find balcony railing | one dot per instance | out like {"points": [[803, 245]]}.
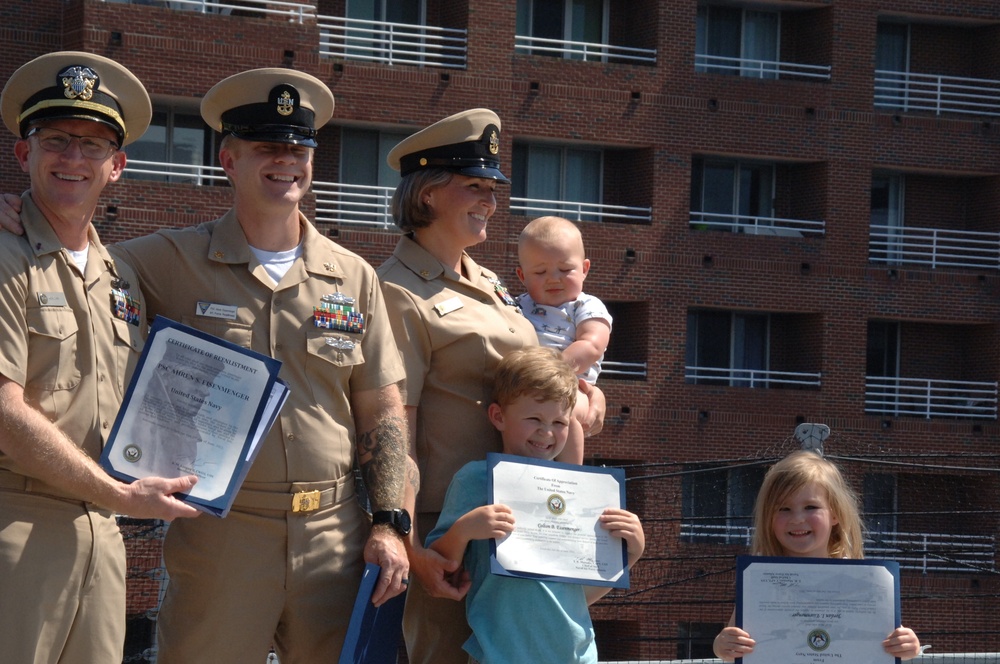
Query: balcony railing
{"points": [[392, 43], [613, 369], [579, 211], [591, 52], [751, 225], [158, 171], [756, 378], [936, 247], [354, 204], [886, 395], [926, 552], [296, 12], [905, 91], [760, 68]]}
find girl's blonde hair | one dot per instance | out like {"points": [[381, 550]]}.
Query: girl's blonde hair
{"points": [[788, 476]]}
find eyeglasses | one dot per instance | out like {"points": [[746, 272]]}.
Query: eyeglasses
{"points": [[56, 140]]}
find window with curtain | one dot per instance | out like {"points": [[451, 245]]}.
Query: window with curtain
{"points": [[737, 41], [557, 180], [727, 348], [564, 20], [178, 142], [717, 503], [892, 55], [363, 164], [733, 195], [887, 196], [378, 42]]}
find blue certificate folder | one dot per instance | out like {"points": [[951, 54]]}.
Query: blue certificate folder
{"points": [[196, 405], [374, 631], [563, 507], [827, 564]]}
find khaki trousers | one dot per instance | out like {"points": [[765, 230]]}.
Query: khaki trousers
{"points": [[62, 575]]}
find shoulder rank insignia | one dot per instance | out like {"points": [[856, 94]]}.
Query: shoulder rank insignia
{"points": [[503, 293], [336, 312]]}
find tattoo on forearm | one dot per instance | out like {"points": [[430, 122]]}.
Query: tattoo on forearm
{"points": [[413, 475], [382, 460]]}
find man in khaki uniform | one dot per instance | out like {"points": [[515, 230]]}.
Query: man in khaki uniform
{"points": [[285, 564], [72, 325]]}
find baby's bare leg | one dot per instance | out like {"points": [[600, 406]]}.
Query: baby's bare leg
{"points": [[573, 452]]}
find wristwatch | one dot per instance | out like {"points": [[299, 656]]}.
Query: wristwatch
{"points": [[398, 519]]}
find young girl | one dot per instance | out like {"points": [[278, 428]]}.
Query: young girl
{"points": [[805, 509]]}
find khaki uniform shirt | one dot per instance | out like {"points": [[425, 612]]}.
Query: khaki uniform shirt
{"points": [[452, 332], [60, 336], [207, 277]]}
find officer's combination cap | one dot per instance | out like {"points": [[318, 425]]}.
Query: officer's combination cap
{"points": [[76, 85]]}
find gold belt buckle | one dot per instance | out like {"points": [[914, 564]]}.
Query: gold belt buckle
{"points": [[305, 501]]}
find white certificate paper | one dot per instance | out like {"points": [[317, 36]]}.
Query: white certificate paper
{"points": [[817, 611], [557, 536], [197, 405]]}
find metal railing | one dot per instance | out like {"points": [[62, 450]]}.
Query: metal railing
{"points": [[760, 68], [613, 369], [589, 51], [392, 43], [296, 12], [905, 91], [354, 204], [925, 552], [937, 247], [580, 211], [752, 225], [159, 171], [755, 378], [887, 395]]}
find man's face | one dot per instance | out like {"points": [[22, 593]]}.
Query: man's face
{"points": [[67, 183], [267, 173]]}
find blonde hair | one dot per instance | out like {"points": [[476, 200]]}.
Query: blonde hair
{"points": [[788, 476], [550, 230], [538, 372]]}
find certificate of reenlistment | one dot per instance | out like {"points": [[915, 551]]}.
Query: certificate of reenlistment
{"points": [[817, 611], [196, 405], [557, 535]]}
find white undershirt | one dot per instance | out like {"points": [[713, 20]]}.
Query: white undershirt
{"points": [[80, 258], [277, 263]]}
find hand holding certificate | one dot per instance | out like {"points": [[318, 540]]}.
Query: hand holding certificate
{"points": [[197, 405], [817, 610], [556, 508]]}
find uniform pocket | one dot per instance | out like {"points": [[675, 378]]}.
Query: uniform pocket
{"points": [[233, 332], [52, 336], [128, 346]]}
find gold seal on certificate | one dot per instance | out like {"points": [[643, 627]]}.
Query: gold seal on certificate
{"points": [[557, 507], [815, 611]]}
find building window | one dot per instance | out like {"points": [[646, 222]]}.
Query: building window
{"points": [[580, 21], [727, 348], [892, 64], [737, 41], [176, 148], [626, 356], [880, 502], [883, 349], [364, 193], [717, 503], [390, 11], [887, 207], [557, 180], [694, 639], [732, 195]]}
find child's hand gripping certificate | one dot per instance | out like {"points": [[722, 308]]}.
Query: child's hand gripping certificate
{"points": [[816, 611], [557, 534]]}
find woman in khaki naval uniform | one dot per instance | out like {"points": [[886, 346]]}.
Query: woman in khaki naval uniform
{"points": [[453, 321]]}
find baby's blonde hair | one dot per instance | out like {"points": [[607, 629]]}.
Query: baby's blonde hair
{"points": [[550, 230], [788, 476]]}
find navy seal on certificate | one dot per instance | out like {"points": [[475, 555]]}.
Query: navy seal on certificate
{"points": [[197, 405], [817, 610]]}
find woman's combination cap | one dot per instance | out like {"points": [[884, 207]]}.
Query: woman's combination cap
{"points": [[271, 105], [76, 85], [467, 143]]}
